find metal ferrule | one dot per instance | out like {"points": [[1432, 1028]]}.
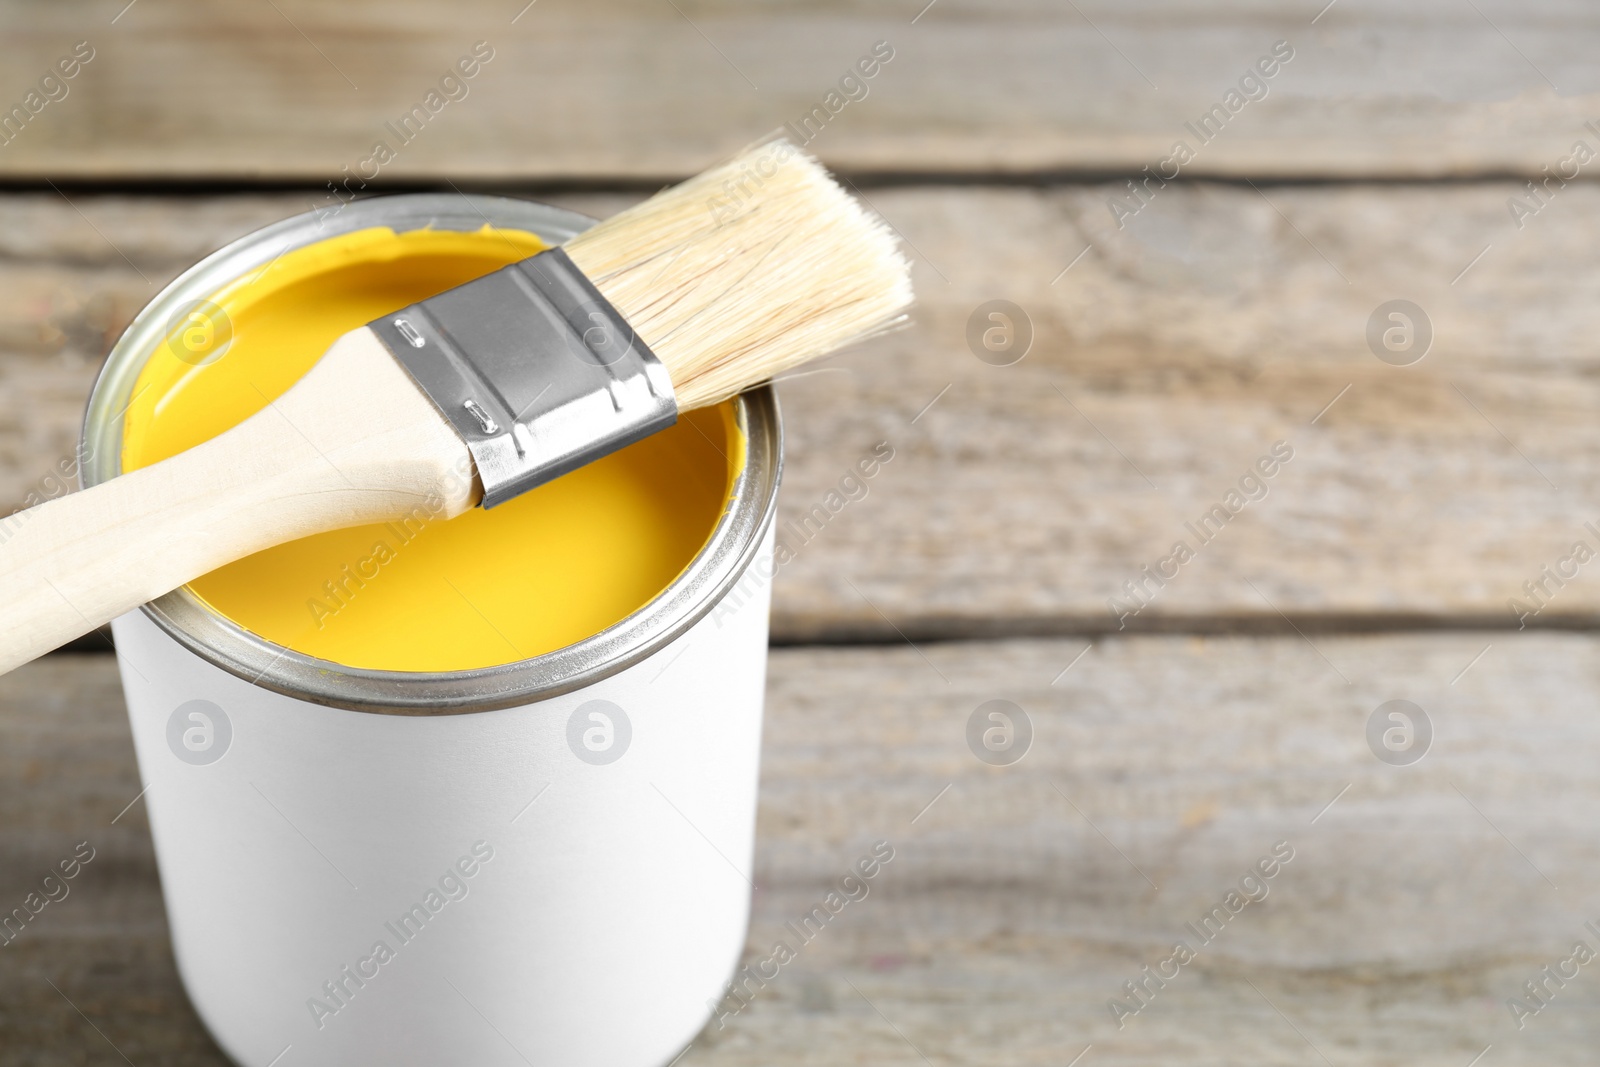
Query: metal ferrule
{"points": [[534, 368]]}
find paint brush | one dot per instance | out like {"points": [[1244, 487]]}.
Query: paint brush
{"points": [[478, 394]]}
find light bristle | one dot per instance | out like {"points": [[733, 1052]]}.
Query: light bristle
{"points": [[747, 270]]}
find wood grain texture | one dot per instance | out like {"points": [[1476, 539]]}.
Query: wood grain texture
{"points": [[1165, 364], [1017, 904], [1178, 349], [641, 89]]}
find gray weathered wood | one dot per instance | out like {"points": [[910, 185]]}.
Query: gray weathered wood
{"points": [[1173, 355], [639, 88], [1017, 903], [1178, 349]]}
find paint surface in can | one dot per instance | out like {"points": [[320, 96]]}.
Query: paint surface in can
{"points": [[547, 570]]}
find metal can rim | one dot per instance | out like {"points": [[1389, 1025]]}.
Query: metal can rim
{"points": [[720, 564]]}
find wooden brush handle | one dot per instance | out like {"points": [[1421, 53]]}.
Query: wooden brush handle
{"points": [[355, 441]]}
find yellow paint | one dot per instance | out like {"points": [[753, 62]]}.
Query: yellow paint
{"points": [[557, 565]]}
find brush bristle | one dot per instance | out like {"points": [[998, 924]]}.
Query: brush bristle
{"points": [[747, 270]]}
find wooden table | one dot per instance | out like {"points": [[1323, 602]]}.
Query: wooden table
{"points": [[1173, 346]]}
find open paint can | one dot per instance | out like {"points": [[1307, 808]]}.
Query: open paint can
{"points": [[527, 849]]}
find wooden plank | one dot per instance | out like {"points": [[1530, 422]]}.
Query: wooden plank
{"points": [[636, 89], [1419, 898], [1179, 349], [1166, 364]]}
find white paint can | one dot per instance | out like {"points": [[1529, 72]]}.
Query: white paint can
{"points": [[546, 863]]}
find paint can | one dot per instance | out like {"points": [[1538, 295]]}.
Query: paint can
{"points": [[542, 863]]}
